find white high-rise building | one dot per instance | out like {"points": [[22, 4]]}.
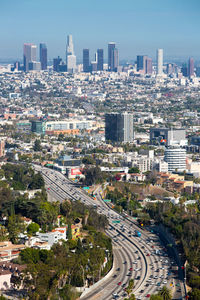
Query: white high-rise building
{"points": [[159, 61], [176, 158], [70, 56]]}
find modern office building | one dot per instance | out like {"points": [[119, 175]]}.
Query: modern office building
{"points": [[159, 61], [119, 127], [144, 64], [86, 60], [141, 60], [43, 56], [176, 158], [166, 136], [34, 66], [56, 63], [113, 57], [38, 126], [30, 54], [148, 66], [70, 56], [190, 67], [99, 59]]}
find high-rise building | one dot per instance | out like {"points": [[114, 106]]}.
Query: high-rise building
{"points": [[99, 59], [119, 127], [113, 57], [56, 63], [141, 62], [190, 67], [29, 55], [159, 61], [86, 60], [184, 70], [148, 65], [70, 56], [34, 66], [176, 158], [43, 56]]}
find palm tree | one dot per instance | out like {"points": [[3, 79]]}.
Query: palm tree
{"points": [[166, 293]]}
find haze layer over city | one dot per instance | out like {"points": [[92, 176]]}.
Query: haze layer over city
{"points": [[99, 150]]}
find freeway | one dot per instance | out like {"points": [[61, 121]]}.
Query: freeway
{"points": [[144, 258]]}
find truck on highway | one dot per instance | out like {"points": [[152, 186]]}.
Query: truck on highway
{"points": [[138, 233]]}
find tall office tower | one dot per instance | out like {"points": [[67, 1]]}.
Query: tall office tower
{"points": [[148, 66], [56, 63], [159, 61], [190, 67], [29, 55], [176, 158], [184, 70], [43, 56], [140, 62], [119, 127], [86, 60], [34, 66], [70, 56], [99, 59], [111, 47], [114, 60]]}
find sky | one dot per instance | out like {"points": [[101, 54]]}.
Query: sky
{"points": [[137, 26]]}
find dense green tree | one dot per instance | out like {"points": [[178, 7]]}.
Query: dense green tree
{"points": [[69, 231], [165, 293], [156, 297], [3, 233], [194, 294], [37, 146], [32, 228]]}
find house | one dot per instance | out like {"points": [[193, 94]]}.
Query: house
{"points": [[9, 270], [9, 251], [54, 236]]}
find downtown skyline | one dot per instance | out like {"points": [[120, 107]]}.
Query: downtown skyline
{"points": [[139, 28]]}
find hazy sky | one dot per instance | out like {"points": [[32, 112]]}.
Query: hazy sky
{"points": [[137, 26]]}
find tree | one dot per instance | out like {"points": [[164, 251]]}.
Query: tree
{"points": [[33, 228], [156, 297], [69, 231], [130, 287], [165, 293], [3, 233], [134, 170], [37, 146], [194, 294]]}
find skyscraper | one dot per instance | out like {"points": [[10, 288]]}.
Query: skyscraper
{"points": [[43, 56], [191, 67], [119, 127], [112, 51], [70, 56], [86, 60], [29, 55], [159, 61], [99, 59], [141, 63], [148, 65], [56, 64]]}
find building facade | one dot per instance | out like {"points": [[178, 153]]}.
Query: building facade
{"points": [[159, 61], [43, 56], [119, 127], [176, 158], [86, 60], [30, 54]]}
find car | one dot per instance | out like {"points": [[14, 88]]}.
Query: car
{"points": [[118, 269], [148, 254], [165, 281], [131, 269], [115, 295], [124, 284], [125, 262], [119, 283], [148, 295], [136, 269], [115, 275]]}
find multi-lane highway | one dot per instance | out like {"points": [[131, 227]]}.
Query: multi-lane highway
{"points": [[143, 258]]}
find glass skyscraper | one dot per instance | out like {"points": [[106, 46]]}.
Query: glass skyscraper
{"points": [[29, 55], [99, 59], [119, 127], [43, 56], [86, 60]]}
